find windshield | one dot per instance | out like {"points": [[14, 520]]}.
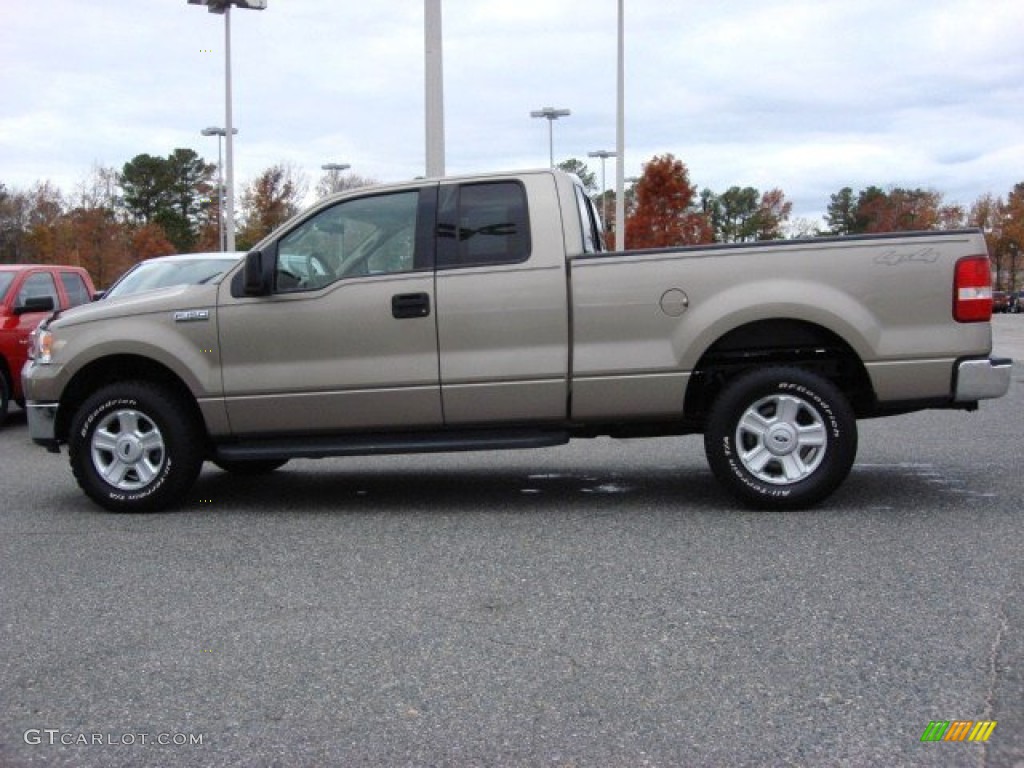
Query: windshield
{"points": [[6, 278], [159, 273]]}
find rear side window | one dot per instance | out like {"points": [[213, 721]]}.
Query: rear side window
{"points": [[483, 224], [74, 287]]}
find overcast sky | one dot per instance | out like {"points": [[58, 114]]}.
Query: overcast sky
{"points": [[806, 95]]}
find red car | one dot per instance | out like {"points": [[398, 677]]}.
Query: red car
{"points": [[28, 292]]}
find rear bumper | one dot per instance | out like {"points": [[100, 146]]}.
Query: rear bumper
{"points": [[42, 424], [982, 379]]}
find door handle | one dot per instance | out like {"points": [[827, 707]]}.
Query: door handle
{"points": [[407, 305]]}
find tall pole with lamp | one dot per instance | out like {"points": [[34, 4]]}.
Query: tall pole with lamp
{"points": [[223, 7], [551, 114], [335, 169], [219, 133]]}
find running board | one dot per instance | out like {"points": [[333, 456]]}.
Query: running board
{"points": [[318, 447]]}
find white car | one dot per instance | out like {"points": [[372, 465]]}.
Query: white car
{"points": [[165, 271]]}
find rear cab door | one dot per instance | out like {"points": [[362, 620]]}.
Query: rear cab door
{"points": [[502, 301]]}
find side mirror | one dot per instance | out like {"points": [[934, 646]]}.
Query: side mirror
{"points": [[257, 274], [35, 304]]}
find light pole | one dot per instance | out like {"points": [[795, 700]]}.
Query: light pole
{"points": [[335, 170], [219, 133], [620, 134], [434, 87], [223, 7], [551, 114], [604, 154]]}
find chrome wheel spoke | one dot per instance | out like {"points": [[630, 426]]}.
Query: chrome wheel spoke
{"points": [[103, 440], [754, 423], [812, 435]]}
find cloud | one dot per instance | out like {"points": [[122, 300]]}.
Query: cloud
{"points": [[805, 95]]}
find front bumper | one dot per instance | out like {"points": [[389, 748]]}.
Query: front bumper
{"points": [[42, 424], [982, 379]]}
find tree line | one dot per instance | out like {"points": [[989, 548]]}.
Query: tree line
{"points": [[157, 205], [664, 208]]}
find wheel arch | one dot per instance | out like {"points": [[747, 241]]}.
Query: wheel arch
{"points": [[105, 370], [778, 341]]}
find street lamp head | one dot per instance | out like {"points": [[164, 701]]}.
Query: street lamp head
{"points": [[213, 130], [604, 154], [220, 6], [335, 166], [550, 113]]}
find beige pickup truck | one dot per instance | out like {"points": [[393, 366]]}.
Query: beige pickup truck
{"points": [[482, 312]]}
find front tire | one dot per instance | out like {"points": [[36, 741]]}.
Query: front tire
{"points": [[781, 438], [135, 447]]}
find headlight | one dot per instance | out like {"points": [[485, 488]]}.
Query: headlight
{"points": [[40, 346]]}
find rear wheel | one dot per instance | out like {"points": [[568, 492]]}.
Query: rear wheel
{"points": [[781, 438], [135, 447]]}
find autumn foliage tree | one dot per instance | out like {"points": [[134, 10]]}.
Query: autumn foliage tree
{"points": [[268, 201], [1003, 225], [897, 209], [665, 214]]}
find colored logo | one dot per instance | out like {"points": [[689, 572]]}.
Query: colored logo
{"points": [[958, 730]]}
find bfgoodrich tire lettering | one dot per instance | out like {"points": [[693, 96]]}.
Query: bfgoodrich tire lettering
{"points": [[135, 447], [781, 438]]}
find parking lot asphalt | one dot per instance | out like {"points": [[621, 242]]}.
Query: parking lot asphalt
{"points": [[599, 604]]}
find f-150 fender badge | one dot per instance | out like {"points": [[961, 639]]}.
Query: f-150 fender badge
{"points": [[191, 315]]}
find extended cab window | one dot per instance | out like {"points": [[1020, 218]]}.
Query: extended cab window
{"points": [[366, 236], [483, 224]]}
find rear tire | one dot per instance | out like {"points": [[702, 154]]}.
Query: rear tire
{"points": [[135, 447], [781, 438]]}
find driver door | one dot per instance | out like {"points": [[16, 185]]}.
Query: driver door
{"points": [[347, 339]]}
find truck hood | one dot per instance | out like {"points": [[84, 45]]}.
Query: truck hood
{"points": [[173, 299]]}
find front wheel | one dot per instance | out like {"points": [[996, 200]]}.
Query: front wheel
{"points": [[781, 438], [135, 447]]}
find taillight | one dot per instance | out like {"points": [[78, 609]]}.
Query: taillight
{"points": [[972, 290]]}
